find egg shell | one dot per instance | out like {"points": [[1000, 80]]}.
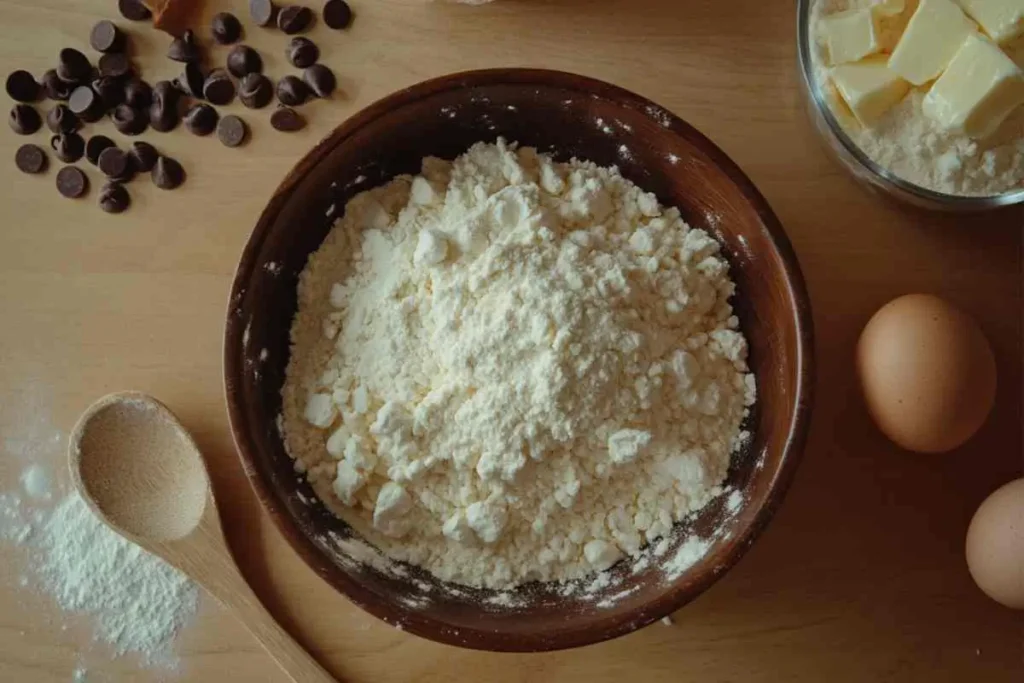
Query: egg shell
{"points": [[995, 545], [927, 373]]}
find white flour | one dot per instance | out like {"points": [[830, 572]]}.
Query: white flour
{"points": [[910, 144], [509, 369]]}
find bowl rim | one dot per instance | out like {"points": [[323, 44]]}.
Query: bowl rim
{"points": [[881, 173], [416, 622]]}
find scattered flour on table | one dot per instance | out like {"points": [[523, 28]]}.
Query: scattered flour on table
{"points": [[509, 369]]}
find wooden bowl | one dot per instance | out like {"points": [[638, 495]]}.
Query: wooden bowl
{"points": [[568, 116]]}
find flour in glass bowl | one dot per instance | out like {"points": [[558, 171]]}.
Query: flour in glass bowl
{"points": [[508, 369]]}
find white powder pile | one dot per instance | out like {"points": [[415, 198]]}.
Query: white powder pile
{"points": [[912, 145], [509, 369]]}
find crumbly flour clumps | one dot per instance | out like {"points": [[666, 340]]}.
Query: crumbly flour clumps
{"points": [[509, 369]]}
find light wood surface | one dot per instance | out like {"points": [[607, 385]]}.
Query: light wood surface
{"points": [[860, 577]]}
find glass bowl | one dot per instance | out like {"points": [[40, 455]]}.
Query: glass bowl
{"points": [[850, 156]]}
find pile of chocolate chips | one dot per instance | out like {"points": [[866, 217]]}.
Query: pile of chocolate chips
{"points": [[85, 93]]}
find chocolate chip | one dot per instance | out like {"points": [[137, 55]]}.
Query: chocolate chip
{"points": [[232, 131], [201, 119], [301, 52], [219, 89], [30, 159], [226, 28], [320, 80], [167, 174], [163, 117], [138, 93], [96, 145], [24, 119], [85, 104], [294, 19], [263, 12], [73, 66], [166, 92], [143, 156], [185, 48], [110, 91], [291, 91], [115, 65], [71, 182], [54, 87], [192, 80], [114, 198], [243, 60], [255, 91], [106, 37], [128, 120], [134, 10], [337, 14], [22, 86], [114, 163], [61, 120], [287, 120], [68, 147]]}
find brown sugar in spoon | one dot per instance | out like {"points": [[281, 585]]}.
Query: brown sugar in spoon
{"points": [[140, 471]]}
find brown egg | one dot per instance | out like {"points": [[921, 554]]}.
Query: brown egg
{"points": [[995, 545], [927, 372]]}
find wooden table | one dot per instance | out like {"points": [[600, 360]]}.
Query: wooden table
{"points": [[861, 576]]}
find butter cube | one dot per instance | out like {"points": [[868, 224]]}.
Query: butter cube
{"points": [[1003, 20], [869, 87], [978, 91], [934, 34], [850, 36]]}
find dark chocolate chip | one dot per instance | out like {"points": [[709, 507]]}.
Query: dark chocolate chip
{"points": [[54, 87], [256, 91], [73, 66], [95, 147], [201, 119], [68, 147], [106, 37], [337, 14], [115, 65], [287, 120], [30, 159], [320, 80], [22, 86], [134, 10], [71, 182], [60, 119], [129, 120], [167, 174], [138, 93], [219, 89], [144, 156], [263, 12], [243, 60], [226, 28], [185, 48], [116, 164], [114, 198], [163, 117], [24, 119], [166, 92], [192, 80], [232, 131], [294, 19], [292, 91], [86, 104], [301, 52], [110, 91]]}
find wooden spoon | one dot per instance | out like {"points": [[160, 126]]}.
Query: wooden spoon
{"points": [[139, 470]]}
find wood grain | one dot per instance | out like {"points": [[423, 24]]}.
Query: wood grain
{"points": [[861, 575]]}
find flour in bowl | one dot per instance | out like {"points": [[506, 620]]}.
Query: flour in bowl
{"points": [[509, 369]]}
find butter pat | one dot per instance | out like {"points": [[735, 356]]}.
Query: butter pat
{"points": [[850, 36], [978, 91], [934, 34], [1003, 20], [870, 88]]}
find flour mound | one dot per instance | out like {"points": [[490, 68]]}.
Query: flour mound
{"points": [[509, 369]]}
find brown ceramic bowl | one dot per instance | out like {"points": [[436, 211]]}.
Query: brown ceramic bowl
{"points": [[567, 116]]}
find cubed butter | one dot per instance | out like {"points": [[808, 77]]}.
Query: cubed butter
{"points": [[934, 34], [851, 36], [870, 88], [1003, 20], [978, 91]]}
